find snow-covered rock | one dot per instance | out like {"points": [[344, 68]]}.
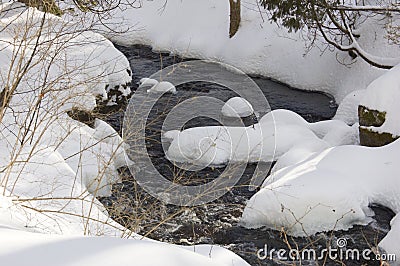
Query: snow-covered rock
{"points": [[330, 191], [147, 82], [170, 135], [156, 86], [333, 188], [283, 116], [237, 107], [277, 132], [381, 102]]}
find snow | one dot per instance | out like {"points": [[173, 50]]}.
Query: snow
{"points": [[237, 107], [45, 153], [53, 166], [323, 186], [390, 242], [348, 108], [277, 132], [22, 248], [21, 244], [299, 153], [66, 206], [156, 86], [314, 188], [383, 94], [331, 190], [259, 47], [88, 56], [148, 82], [53, 171]]}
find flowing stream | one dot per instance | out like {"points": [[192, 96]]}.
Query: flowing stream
{"points": [[218, 221]]}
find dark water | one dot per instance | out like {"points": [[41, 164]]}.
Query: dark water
{"points": [[312, 106], [217, 222]]}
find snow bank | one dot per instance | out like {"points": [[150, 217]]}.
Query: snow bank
{"points": [[333, 188], [330, 191], [199, 29], [48, 159], [53, 166], [85, 56], [383, 94], [277, 133], [21, 248], [237, 107], [390, 242], [348, 108], [73, 78]]}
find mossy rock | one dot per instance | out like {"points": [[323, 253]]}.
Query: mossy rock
{"points": [[370, 118], [373, 118], [375, 139]]}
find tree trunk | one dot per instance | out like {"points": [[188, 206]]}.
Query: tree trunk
{"points": [[234, 17]]}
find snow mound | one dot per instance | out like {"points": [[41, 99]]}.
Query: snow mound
{"points": [[156, 86], [283, 116], [237, 107], [170, 135], [348, 108], [86, 56], [147, 82], [277, 132], [331, 190], [299, 153]]}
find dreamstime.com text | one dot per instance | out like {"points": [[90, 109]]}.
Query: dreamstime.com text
{"points": [[340, 252]]}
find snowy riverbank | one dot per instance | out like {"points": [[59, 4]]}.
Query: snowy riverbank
{"points": [[199, 29], [263, 48], [52, 166]]}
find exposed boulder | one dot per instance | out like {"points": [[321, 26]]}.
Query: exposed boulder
{"points": [[370, 118], [379, 110]]}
